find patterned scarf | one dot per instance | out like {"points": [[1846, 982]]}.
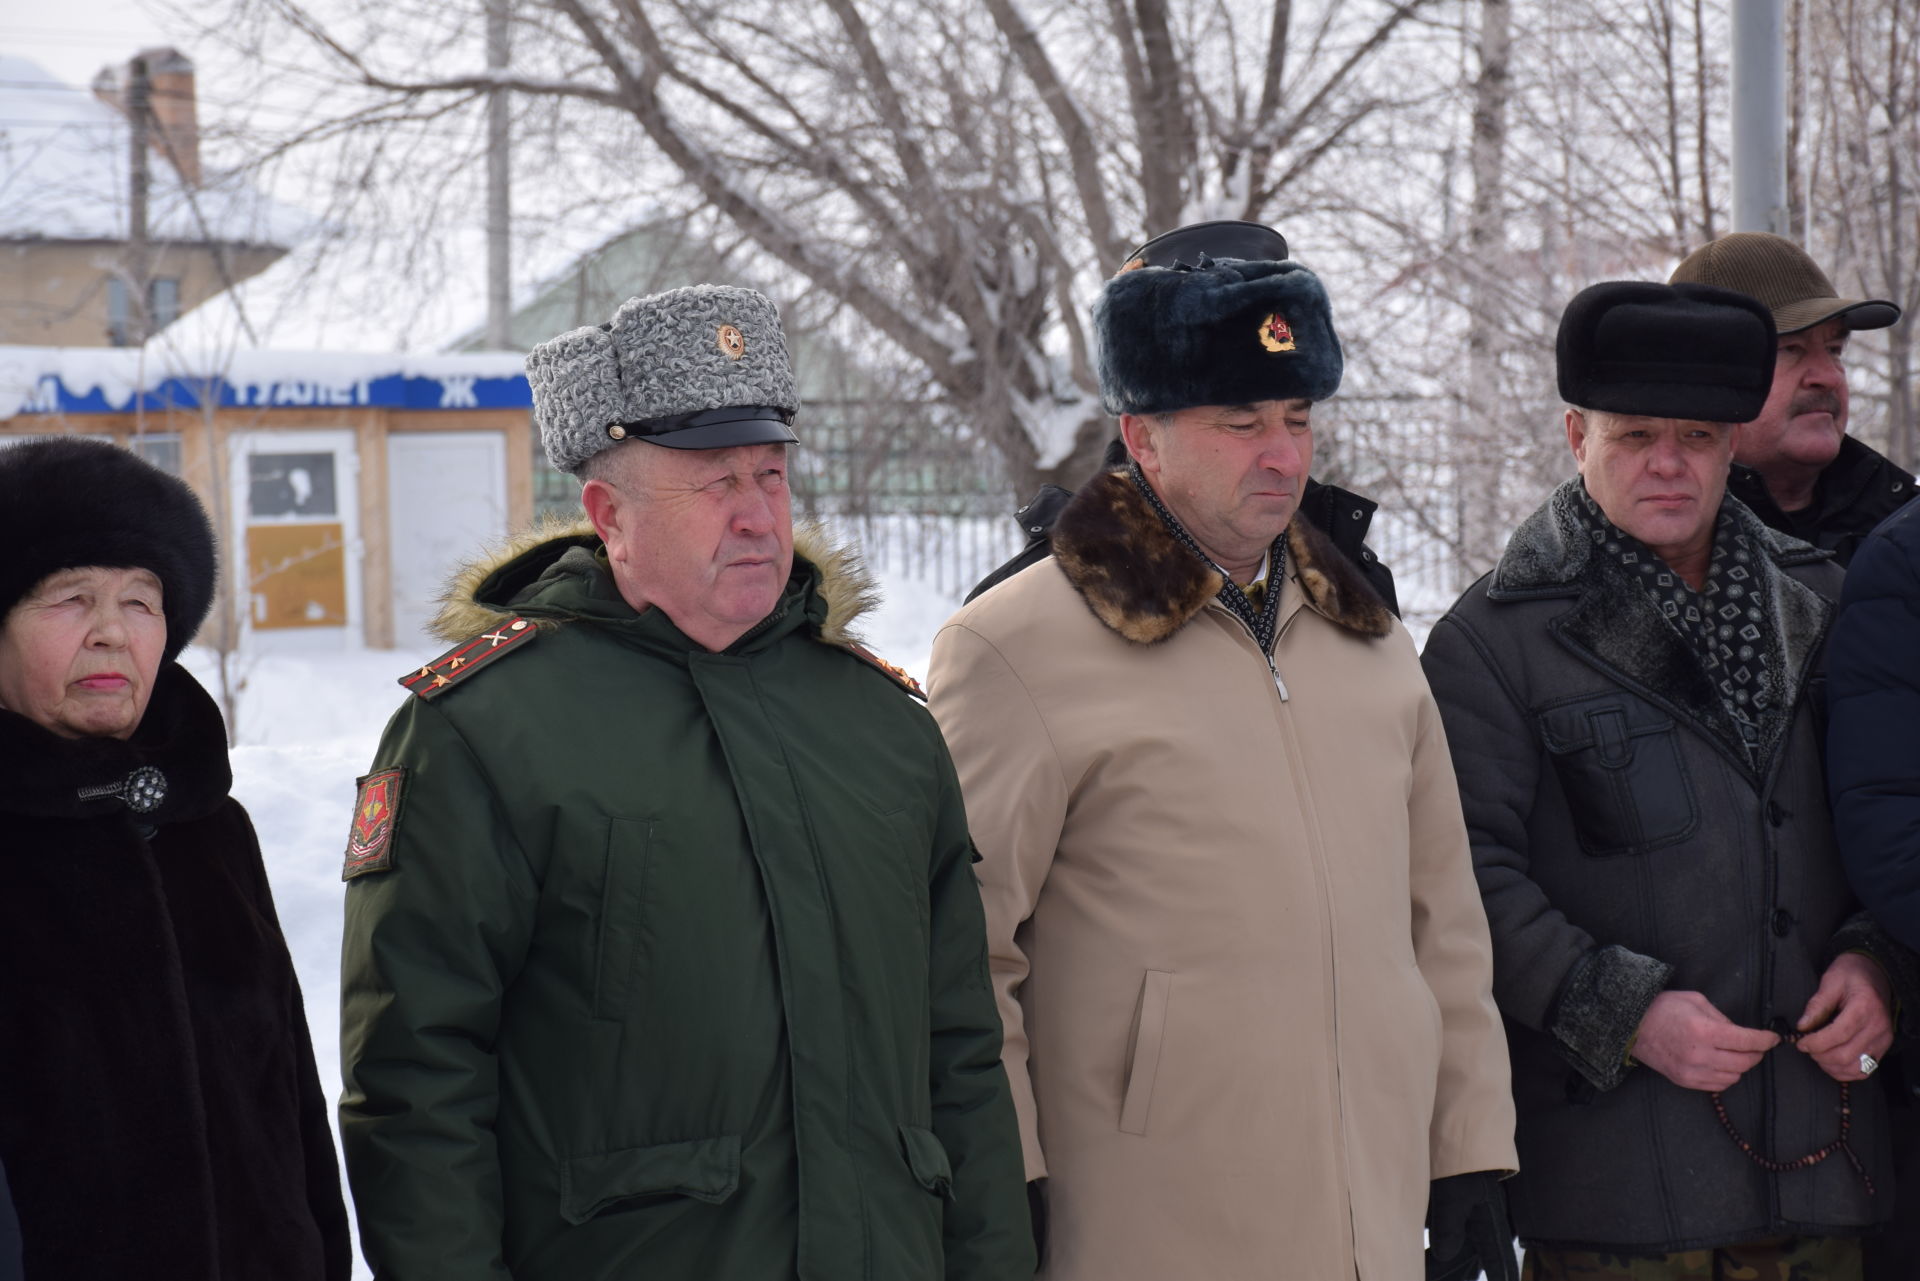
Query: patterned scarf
{"points": [[1262, 620], [1726, 622]]}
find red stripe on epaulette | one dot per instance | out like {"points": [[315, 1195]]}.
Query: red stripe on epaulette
{"points": [[901, 676], [468, 657]]}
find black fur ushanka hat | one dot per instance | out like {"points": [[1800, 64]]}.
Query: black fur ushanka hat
{"points": [[69, 503], [1227, 332], [1687, 351]]}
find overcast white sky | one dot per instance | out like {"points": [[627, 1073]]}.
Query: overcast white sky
{"points": [[76, 38]]}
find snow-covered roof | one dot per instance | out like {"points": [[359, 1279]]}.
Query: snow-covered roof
{"points": [[103, 380], [64, 175], [326, 295]]}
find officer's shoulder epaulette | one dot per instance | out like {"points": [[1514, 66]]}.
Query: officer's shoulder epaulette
{"points": [[898, 675], [468, 657]]}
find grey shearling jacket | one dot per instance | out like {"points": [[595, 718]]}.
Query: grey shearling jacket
{"points": [[1623, 847]]}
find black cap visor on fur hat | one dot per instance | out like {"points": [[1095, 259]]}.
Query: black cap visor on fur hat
{"points": [[69, 503], [1222, 238], [722, 428], [1231, 332], [1666, 351]]}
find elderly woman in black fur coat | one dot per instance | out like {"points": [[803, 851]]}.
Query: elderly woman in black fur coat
{"points": [[160, 1116]]}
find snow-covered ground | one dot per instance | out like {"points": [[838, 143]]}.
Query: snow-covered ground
{"points": [[308, 727]]}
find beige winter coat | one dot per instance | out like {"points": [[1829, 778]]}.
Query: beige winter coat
{"points": [[1240, 959]]}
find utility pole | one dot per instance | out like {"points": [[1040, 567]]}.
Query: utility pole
{"points": [[1759, 116], [499, 204], [1479, 444], [139, 267]]}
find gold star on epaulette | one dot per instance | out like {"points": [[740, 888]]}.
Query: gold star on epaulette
{"points": [[900, 675], [466, 658]]}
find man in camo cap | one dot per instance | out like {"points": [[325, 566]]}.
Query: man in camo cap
{"points": [[664, 954], [1795, 466]]}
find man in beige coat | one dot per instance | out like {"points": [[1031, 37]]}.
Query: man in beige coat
{"points": [[1240, 958]]}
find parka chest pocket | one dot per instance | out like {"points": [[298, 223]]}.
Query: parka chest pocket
{"points": [[1620, 766]]}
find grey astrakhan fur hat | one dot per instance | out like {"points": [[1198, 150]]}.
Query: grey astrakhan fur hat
{"points": [[69, 503], [703, 367], [1226, 332]]}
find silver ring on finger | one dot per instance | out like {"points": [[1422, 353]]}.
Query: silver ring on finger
{"points": [[1867, 1064]]}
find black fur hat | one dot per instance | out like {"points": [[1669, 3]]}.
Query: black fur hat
{"points": [[66, 503], [1666, 351], [1230, 332]]}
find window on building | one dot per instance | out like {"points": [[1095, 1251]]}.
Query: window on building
{"points": [[163, 308], [294, 486], [554, 492], [119, 312], [161, 449], [163, 302]]}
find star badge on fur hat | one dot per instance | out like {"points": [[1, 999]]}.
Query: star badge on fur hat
{"points": [[703, 367], [1276, 334]]}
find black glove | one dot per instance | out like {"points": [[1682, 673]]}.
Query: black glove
{"points": [[1037, 1207], [1467, 1229]]}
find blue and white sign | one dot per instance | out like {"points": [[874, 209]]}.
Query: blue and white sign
{"points": [[73, 382]]}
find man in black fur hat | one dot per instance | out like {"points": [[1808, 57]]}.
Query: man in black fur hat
{"points": [[1692, 994], [1241, 964], [1343, 516]]}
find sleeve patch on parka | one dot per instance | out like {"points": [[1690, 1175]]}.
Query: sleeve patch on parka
{"points": [[900, 675], [468, 657], [376, 816]]}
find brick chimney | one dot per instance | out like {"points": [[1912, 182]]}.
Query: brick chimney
{"points": [[176, 133]]}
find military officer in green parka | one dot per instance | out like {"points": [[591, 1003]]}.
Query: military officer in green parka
{"points": [[664, 954]]}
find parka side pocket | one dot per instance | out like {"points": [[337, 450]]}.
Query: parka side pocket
{"points": [[622, 916], [594, 1183], [1143, 1063], [927, 1159], [1619, 763]]}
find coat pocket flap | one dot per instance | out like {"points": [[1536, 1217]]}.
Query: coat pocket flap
{"points": [[1604, 724], [704, 1169], [927, 1158]]}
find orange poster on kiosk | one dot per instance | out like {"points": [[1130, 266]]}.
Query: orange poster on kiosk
{"points": [[297, 575]]}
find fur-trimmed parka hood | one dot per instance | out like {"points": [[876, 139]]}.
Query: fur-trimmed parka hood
{"points": [[496, 585], [1144, 585]]}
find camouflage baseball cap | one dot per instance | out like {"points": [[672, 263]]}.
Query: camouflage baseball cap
{"points": [[1781, 275]]}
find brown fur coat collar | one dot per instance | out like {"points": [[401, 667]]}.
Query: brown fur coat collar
{"points": [[1141, 582]]}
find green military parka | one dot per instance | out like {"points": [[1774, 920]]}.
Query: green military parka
{"points": [[672, 964]]}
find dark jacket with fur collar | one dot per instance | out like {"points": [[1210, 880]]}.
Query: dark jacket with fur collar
{"points": [[1623, 847], [160, 1116]]}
